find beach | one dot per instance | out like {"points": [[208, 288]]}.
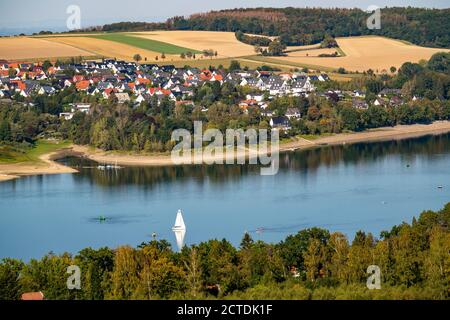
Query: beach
{"points": [[47, 165]]}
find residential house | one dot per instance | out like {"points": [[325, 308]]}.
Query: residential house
{"points": [[293, 113], [359, 104], [122, 97], [281, 123]]}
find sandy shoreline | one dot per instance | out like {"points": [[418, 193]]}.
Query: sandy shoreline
{"points": [[48, 166]]}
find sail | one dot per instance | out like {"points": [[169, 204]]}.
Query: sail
{"points": [[180, 230], [179, 222], [179, 236]]}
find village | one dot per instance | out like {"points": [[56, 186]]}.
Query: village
{"points": [[131, 83]]}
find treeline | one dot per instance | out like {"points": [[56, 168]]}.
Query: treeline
{"points": [[430, 81], [253, 40], [303, 26], [312, 264]]}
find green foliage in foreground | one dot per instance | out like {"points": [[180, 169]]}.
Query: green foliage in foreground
{"points": [[414, 261]]}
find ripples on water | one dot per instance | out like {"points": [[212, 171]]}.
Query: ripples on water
{"points": [[368, 186]]}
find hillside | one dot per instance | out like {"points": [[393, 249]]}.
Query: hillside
{"points": [[303, 26]]}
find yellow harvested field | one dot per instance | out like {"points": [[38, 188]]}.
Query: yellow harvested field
{"points": [[363, 53], [109, 49], [27, 48], [312, 52], [307, 47], [225, 43]]}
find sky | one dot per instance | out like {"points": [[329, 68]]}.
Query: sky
{"points": [[31, 15]]}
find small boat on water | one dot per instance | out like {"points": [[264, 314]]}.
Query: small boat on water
{"points": [[179, 229], [101, 218], [259, 230], [179, 222], [108, 166]]}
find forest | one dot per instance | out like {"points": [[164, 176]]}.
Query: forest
{"points": [[303, 26], [311, 264]]}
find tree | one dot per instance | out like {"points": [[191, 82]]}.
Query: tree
{"points": [[350, 118], [182, 55], [257, 49], [12, 72], [49, 276], [125, 275], [329, 42], [96, 266], [137, 57], [194, 272], [292, 249], [10, 288], [339, 248], [437, 263], [314, 260], [47, 64], [234, 65], [246, 241], [393, 69], [163, 56], [276, 48], [208, 53], [5, 130]]}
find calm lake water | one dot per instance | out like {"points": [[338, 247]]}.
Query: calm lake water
{"points": [[367, 186]]}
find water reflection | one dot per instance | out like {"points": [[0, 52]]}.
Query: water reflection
{"points": [[366, 186], [301, 162]]}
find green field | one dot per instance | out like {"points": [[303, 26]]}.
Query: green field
{"points": [[147, 44], [9, 154]]}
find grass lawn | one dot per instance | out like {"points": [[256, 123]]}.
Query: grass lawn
{"points": [[10, 154], [313, 136], [147, 44]]}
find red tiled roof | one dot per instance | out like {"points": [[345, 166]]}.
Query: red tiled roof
{"points": [[51, 70], [142, 81], [83, 85], [20, 84], [32, 296], [78, 77]]}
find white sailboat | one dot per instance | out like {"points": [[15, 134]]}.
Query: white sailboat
{"points": [[179, 229]]}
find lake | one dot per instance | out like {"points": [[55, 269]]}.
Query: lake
{"points": [[365, 186]]}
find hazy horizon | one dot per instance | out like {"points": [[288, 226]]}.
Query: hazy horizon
{"points": [[51, 14]]}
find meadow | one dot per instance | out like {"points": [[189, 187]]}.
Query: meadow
{"points": [[225, 43], [10, 154], [144, 43]]}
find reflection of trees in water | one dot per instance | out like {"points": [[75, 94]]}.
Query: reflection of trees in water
{"points": [[361, 153], [306, 161]]}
